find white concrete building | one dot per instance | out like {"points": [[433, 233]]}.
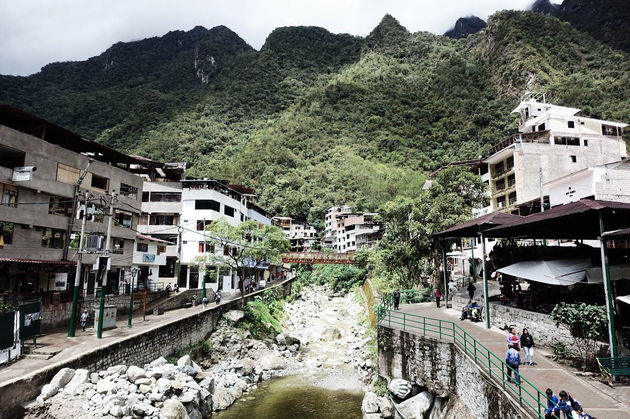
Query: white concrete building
{"points": [[301, 235], [149, 254], [608, 182], [553, 141], [353, 230], [205, 201], [330, 226]]}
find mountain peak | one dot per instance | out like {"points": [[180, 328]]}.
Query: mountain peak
{"points": [[388, 29], [466, 26], [546, 7]]}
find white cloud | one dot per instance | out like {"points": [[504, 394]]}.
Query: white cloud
{"points": [[34, 33]]}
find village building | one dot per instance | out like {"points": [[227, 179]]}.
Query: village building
{"points": [[301, 235]]}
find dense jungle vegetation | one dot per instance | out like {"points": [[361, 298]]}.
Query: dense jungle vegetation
{"points": [[315, 119]]}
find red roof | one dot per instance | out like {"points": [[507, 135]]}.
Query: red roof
{"points": [[38, 261], [153, 239]]}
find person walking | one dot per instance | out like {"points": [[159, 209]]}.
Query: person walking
{"points": [[217, 298], [84, 319], [513, 359], [438, 297], [527, 342], [471, 290], [396, 299], [552, 402]]}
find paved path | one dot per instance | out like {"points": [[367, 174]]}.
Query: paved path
{"points": [[546, 374], [87, 341]]}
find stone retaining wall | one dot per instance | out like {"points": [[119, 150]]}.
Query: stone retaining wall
{"points": [[138, 349], [444, 370], [539, 325]]}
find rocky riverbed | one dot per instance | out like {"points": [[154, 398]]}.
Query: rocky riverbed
{"points": [[323, 340]]}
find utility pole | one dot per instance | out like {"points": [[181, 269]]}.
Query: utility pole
{"points": [[203, 279], [75, 198], [179, 255], [77, 275], [101, 306], [134, 272]]}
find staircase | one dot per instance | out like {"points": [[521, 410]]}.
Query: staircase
{"points": [[39, 351]]}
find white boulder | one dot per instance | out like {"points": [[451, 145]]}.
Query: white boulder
{"points": [[173, 409]]}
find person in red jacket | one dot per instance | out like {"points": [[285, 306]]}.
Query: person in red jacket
{"points": [[438, 297]]}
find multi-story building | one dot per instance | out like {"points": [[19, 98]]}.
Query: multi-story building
{"points": [[330, 227], [149, 255], [301, 235], [37, 204], [354, 229], [553, 141]]}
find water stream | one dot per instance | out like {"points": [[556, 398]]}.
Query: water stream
{"points": [[329, 386]]}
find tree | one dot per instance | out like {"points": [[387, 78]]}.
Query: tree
{"points": [[245, 247]]}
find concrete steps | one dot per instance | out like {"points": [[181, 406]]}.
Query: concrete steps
{"points": [[40, 352]]}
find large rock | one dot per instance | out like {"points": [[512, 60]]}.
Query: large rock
{"points": [[386, 407], [271, 361], [163, 385], [134, 373], [234, 316], [370, 403], [115, 370], [331, 333], [105, 386], [222, 398], [184, 360], [81, 376], [62, 378], [399, 388], [173, 409], [47, 392], [158, 362], [188, 370], [416, 406]]}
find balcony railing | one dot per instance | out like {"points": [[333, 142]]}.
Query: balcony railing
{"points": [[541, 137]]}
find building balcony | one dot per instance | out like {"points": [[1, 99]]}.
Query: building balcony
{"points": [[541, 137]]}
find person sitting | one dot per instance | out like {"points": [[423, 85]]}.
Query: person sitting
{"points": [[566, 405], [552, 402], [582, 414]]}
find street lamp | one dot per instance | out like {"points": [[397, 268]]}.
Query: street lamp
{"points": [[134, 272]]}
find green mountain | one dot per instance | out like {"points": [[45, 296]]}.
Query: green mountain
{"points": [[314, 118]]}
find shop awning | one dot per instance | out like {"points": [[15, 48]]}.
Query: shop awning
{"points": [[594, 275], [552, 272], [38, 261], [624, 299], [472, 227]]}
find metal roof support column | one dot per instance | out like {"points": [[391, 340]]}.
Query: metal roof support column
{"points": [[473, 242], [610, 311], [485, 280], [444, 267]]}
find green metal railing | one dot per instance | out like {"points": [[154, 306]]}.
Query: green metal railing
{"points": [[525, 393]]}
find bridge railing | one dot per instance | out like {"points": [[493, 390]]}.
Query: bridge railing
{"points": [[318, 257], [525, 393]]}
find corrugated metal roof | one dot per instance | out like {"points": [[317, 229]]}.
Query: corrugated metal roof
{"points": [[473, 227], [38, 261]]}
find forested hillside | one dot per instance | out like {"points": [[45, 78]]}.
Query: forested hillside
{"points": [[315, 119]]}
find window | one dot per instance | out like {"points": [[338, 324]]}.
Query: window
{"points": [[573, 141], [610, 130], [541, 127], [8, 195], [501, 201], [573, 159], [53, 238], [161, 249], [142, 247], [205, 247], [99, 182], [511, 180], [207, 204], [570, 124], [123, 218], [510, 162], [67, 174], [512, 198], [118, 244], [229, 211], [6, 232], [168, 270], [585, 143], [143, 220], [10, 157], [128, 191], [200, 225], [60, 206], [500, 184], [163, 220], [161, 196]]}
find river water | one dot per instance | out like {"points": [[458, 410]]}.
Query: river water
{"points": [[329, 386]]}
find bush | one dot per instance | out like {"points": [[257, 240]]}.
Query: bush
{"points": [[263, 315], [341, 277]]}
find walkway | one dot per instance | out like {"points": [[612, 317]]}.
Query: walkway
{"points": [[86, 341], [543, 375]]}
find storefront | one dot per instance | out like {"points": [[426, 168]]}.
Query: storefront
{"points": [[33, 278]]}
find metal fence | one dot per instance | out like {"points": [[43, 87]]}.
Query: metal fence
{"points": [[525, 393]]}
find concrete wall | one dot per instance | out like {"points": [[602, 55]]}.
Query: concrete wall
{"points": [[138, 349], [444, 370], [540, 325]]}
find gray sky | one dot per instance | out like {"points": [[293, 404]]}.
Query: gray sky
{"points": [[34, 33]]}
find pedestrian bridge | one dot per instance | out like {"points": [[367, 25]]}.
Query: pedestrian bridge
{"points": [[319, 257]]}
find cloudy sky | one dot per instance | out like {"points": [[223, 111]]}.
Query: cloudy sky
{"points": [[34, 33]]}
